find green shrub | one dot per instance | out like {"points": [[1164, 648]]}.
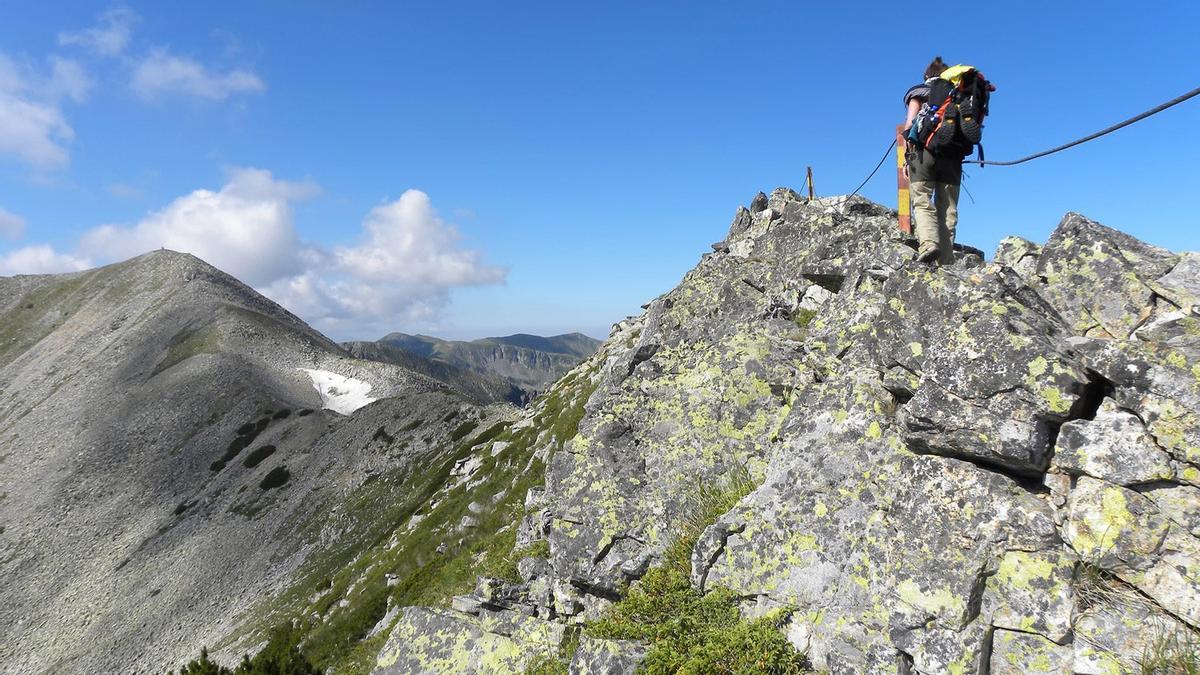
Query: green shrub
{"points": [[255, 458], [462, 430], [546, 664], [245, 436], [276, 477], [803, 317], [281, 656], [694, 632]]}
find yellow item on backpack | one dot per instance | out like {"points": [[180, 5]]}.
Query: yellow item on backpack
{"points": [[954, 73]]}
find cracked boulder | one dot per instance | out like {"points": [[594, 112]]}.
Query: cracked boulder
{"points": [[1019, 254], [1114, 446], [433, 641], [607, 657], [1101, 280], [991, 378]]}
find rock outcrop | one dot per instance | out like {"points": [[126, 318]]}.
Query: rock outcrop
{"points": [[982, 467]]}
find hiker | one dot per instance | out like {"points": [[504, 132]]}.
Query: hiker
{"points": [[944, 123]]}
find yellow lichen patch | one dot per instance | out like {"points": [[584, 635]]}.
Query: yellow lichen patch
{"points": [[1096, 530], [940, 601], [916, 348], [1055, 400], [1019, 568], [874, 431]]}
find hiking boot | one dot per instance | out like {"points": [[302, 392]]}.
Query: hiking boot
{"points": [[928, 252], [971, 129], [943, 135]]}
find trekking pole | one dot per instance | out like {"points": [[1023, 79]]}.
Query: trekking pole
{"points": [[902, 183], [810, 185]]}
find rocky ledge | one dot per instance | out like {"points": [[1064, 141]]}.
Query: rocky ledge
{"points": [[982, 467]]}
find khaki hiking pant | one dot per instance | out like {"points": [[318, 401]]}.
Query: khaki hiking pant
{"points": [[934, 183]]}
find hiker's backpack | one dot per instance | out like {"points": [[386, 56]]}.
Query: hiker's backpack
{"points": [[950, 123]]}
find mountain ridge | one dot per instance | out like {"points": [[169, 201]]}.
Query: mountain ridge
{"points": [[529, 362], [160, 432]]}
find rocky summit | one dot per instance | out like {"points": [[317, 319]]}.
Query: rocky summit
{"points": [[983, 467], [812, 454]]}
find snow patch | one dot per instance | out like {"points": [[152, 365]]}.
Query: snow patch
{"points": [[338, 393]]}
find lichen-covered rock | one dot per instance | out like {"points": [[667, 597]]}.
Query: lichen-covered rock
{"points": [[1113, 527], [1159, 385], [607, 657], [1114, 447], [1019, 254], [1118, 628], [1099, 279], [952, 466], [1016, 653], [432, 641], [993, 380], [1031, 592], [1181, 286]]}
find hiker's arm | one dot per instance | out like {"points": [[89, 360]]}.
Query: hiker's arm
{"points": [[914, 105]]}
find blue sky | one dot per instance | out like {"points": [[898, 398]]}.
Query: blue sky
{"points": [[481, 168]]}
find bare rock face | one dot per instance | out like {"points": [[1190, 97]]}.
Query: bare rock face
{"points": [[970, 468]]}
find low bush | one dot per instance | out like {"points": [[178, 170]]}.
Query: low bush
{"points": [[462, 430], [257, 456], [281, 656], [694, 632], [276, 477]]}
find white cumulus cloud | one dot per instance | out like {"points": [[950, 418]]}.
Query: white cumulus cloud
{"points": [[408, 243], [245, 228], [405, 264], [41, 259], [109, 37], [11, 225], [162, 73], [403, 270]]}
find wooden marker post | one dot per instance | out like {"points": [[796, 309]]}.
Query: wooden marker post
{"points": [[905, 205], [811, 194]]}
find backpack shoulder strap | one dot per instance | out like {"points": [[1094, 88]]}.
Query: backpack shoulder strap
{"points": [[916, 91]]}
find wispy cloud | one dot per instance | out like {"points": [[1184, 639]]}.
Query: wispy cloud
{"points": [[110, 36], [68, 79], [11, 225], [32, 125], [162, 73], [125, 190]]}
